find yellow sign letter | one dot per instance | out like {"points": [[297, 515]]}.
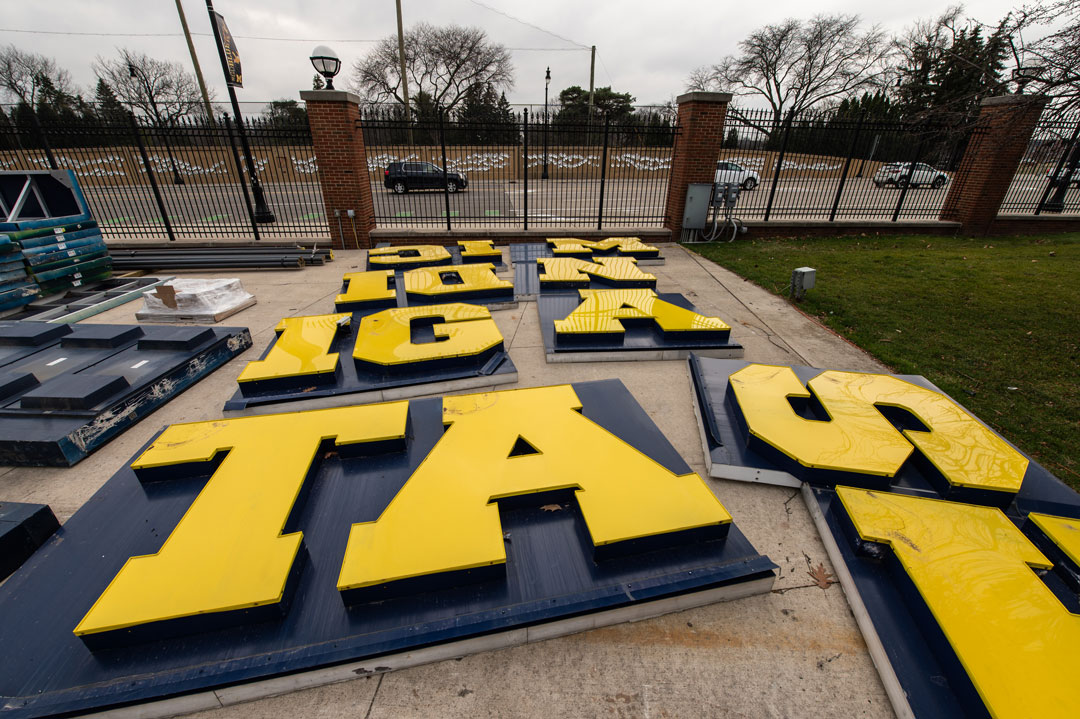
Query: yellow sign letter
{"points": [[385, 338], [578, 273], [302, 349], [460, 280], [600, 312], [227, 552], [976, 572], [415, 255], [365, 289], [479, 251], [446, 519], [858, 438]]}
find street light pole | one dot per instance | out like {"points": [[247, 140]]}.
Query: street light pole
{"points": [[195, 64], [262, 210], [547, 83]]}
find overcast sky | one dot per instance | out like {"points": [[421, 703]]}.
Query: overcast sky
{"points": [[645, 48]]}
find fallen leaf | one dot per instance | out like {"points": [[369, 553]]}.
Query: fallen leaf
{"points": [[821, 576], [551, 507]]}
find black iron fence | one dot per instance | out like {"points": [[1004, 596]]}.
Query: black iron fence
{"points": [[186, 180], [1048, 178], [830, 166], [518, 170]]}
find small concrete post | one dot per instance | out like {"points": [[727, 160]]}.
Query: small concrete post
{"points": [[998, 143], [338, 140], [697, 147]]}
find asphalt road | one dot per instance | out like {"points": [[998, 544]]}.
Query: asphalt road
{"points": [[198, 210]]}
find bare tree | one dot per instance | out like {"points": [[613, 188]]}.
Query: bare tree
{"points": [[921, 48], [23, 75], [1051, 63], [795, 65], [161, 90], [442, 63], [702, 79]]}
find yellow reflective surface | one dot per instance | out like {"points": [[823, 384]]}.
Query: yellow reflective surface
{"points": [[576, 246], [367, 287], [1065, 533], [479, 248], [601, 310], [464, 330], [445, 517], [430, 281], [859, 439], [625, 245], [570, 269], [974, 569], [393, 255], [569, 246], [302, 348], [228, 552]]}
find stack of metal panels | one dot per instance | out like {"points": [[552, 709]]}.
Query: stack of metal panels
{"points": [[45, 214], [59, 258], [16, 289]]}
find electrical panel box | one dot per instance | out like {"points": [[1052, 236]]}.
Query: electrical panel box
{"points": [[696, 211], [804, 277]]}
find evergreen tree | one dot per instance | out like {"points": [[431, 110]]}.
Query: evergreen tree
{"points": [[948, 72], [574, 106], [109, 109]]}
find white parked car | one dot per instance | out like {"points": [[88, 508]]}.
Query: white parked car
{"points": [[733, 172], [896, 173]]}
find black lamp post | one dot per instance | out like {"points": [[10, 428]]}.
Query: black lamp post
{"points": [[547, 83], [263, 212], [326, 63]]}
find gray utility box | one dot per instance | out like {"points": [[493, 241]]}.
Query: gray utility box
{"points": [[696, 212]]}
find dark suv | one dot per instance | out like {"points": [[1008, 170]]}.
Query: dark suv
{"points": [[404, 176]]}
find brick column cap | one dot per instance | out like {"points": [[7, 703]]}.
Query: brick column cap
{"points": [[703, 97], [1014, 100], [329, 96]]}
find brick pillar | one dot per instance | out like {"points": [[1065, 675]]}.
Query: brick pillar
{"points": [[338, 140], [701, 133], [993, 154]]}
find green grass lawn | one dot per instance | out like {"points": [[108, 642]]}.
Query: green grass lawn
{"points": [[993, 322]]}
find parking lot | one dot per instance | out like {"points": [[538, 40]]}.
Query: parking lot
{"points": [[199, 211]]}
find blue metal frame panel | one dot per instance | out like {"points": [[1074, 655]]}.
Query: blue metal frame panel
{"points": [[55, 407], [550, 573], [80, 199], [23, 528]]}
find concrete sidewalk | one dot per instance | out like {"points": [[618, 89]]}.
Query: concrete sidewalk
{"points": [[795, 652]]}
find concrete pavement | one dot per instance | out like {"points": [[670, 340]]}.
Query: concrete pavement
{"points": [[795, 652]]}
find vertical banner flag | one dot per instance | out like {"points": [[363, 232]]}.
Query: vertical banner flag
{"points": [[232, 55]]}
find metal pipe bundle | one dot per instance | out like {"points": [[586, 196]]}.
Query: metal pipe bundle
{"points": [[280, 257]]}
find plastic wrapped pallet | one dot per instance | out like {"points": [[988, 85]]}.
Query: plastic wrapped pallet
{"points": [[194, 300]]}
